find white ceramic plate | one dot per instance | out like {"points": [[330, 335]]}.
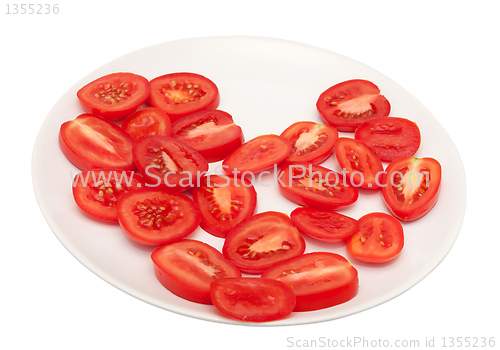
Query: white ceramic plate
{"points": [[266, 85]]}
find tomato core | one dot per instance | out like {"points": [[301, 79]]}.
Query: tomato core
{"points": [[157, 213], [263, 247], [307, 141], [177, 93], [408, 186], [201, 260], [112, 93]]}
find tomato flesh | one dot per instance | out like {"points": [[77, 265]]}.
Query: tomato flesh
{"points": [[252, 299], [181, 94], [390, 138], [363, 165], [319, 280], [380, 238], [312, 142], [349, 104], [188, 267], [114, 96], [315, 186], [90, 142], [167, 162], [148, 121], [324, 225], [412, 187], [97, 192], [224, 202], [212, 133], [256, 155], [261, 241], [155, 217]]}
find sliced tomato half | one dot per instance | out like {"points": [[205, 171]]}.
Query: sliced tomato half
{"points": [[188, 267], [312, 142], [90, 142], [256, 155], [380, 238], [155, 217], [212, 133], [319, 280], [252, 299], [164, 161], [315, 186], [262, 240], [362, 165], [97, 192], [224, 202], [148, 121], [181, 94], [412, 187], [114, 96], [349, 104], [324, 225], [390, 138]]}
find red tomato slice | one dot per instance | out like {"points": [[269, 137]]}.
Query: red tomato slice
{"points": [[252, 299], [180, 94], [90, 142], [96, 192], [262, 240], [186, 268], [412, 187], [148, 121], [224, 202], [164, 161], [380, 238], [155, 217], [361, 163], [349, 104], [319, 280], [212, 133], [324, 225], [114, 96], [257, 155], [315, 186], [390, 138], [312, 142]]}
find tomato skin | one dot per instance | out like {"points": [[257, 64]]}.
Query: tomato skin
{"points": [[256, 155], [187, 267], [212, 133], [312, 142], [224, 203], [113, 149], [390, 138], [356, 156], [179, 217], [148, 121], [380, 238], [409, 203], [348, 104], [252, 299], [134, 90], [99, 200], [324, 225], [262, 240], [292, 186], [160, 156], [319, 279], [177, 85]]}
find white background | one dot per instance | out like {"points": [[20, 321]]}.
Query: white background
{"points": [[444, 53]]}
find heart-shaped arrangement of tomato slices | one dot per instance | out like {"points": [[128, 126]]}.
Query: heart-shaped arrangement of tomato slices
{"points": [[150, 175]]}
